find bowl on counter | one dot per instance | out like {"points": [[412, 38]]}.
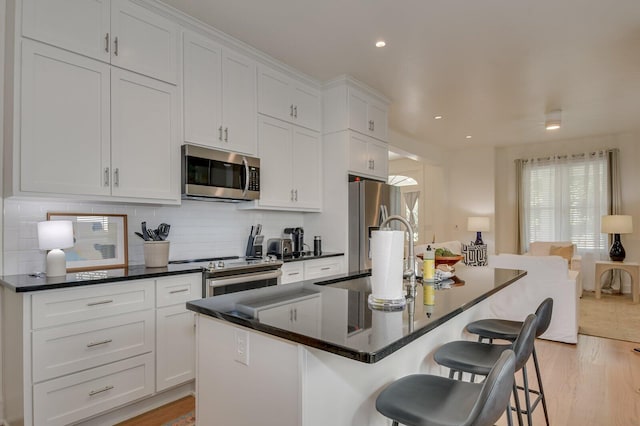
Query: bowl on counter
{"points": [[448, 260]]}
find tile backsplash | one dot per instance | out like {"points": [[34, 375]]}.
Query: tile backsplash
{"points": [[198, 229]]}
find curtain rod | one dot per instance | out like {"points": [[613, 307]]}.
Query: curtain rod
{"points": [[566, 156]]}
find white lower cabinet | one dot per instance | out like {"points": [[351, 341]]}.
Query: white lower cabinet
{"points": [[71, 398], [311, 269], [299, 312], [292, 272], [176, 346]]}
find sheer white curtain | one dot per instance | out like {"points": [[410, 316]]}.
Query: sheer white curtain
{"points": [[564, 198]]}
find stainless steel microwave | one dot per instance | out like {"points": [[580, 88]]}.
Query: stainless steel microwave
{"points": [[219, 175]]}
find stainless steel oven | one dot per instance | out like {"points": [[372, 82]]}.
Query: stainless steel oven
{"points": [[224, 277], [219, 175]]}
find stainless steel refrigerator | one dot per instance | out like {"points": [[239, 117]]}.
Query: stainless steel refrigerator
{"points": [[366, 197]]}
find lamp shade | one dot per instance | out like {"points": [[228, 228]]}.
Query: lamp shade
{"points": [[55, 234], [616, 224], [475, 224]]}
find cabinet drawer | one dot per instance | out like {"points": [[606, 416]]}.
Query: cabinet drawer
{"points": [[178, 290], [80, 346], [292, 272], [94, 301], [71, 398], [322, 268]]}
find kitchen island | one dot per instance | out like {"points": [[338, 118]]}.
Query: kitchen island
{"points": [[314, 353]]}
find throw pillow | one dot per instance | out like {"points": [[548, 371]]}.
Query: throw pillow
{"points": [[565, 252], [474, 255]]}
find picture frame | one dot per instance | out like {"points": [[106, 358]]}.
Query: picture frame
{"points": [[100, 241]]}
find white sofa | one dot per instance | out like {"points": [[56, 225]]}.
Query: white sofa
{"points": [[547, 276], [543, 248]]}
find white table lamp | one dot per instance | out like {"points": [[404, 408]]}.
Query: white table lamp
{"points": [[55, 235], [616, 224], [478, 224]]}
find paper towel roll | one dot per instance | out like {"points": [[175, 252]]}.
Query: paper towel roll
{"points": [[387, 252]]}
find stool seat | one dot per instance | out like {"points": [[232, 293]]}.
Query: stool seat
{"points": [[427, 400], [495, 328], [471, 357]]}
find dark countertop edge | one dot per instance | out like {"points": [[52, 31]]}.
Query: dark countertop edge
{"points": [[311, 257], [366, 357], [68, 283]]}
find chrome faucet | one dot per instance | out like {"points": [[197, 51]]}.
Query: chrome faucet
{"points": [[410, 272]]}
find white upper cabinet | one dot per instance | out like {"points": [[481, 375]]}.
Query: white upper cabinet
{"points": [[282, 97], [116, 31], [348, 106], [219, 96], [89, 129], [290, 167], [368, 156]]}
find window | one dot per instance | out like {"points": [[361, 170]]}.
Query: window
{"points": [[564, 199]]}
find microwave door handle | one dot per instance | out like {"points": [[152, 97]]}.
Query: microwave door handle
{"points": [[246, 175]]}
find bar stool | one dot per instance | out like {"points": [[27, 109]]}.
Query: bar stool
{"points": [[477, 358], [508, 330], [426, 400]]}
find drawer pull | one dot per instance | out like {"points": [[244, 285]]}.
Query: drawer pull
{"points": [[102, 342], [102, 302], [178, 291], [293, 273], [104, 389], [326, 268]]}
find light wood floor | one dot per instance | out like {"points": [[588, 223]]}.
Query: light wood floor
{"points": [[596, 382]]}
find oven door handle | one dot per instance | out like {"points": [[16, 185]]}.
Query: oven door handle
{"points": [[244, 278]]}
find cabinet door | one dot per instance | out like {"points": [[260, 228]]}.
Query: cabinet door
{"points": [[176, 343], [64, 122], [379, 157], [275, 162], [279, 316], [377, 114], [306, 317], [78, 25], [358, 114], [358, 154], [307, 157], [306, 103], [143, 41], [202, 91], [274, 97], [239, 103], [144, 149]]}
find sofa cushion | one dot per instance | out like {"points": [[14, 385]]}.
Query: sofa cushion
{"points": [[565, 252], [542, 248]]}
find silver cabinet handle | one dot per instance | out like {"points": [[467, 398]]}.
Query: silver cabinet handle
{"points": [[104, 389], [291, 110], [226, 134], [373, 126], [325, 269], [290, 315], [106, 43], [370, 168], [115, 46], [292, 195], [373, 164], [295, 314], [220, 133], [295, 111], [102, 302], [293, 273], [106, 176], [116, 177], [178, 291], [102, 342], [296, 191]]}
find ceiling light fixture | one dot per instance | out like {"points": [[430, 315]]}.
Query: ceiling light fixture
{"points": [[438, 117], [381, 43], [553, 120], [468, 136]]}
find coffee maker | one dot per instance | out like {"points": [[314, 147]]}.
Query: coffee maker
{"points": [[297, 236]]}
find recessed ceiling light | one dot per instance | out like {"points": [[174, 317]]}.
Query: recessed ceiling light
{"points": [[381, 43], [553, 120], [438, 117], [468, 136]]}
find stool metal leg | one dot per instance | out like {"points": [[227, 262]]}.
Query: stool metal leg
{"points": [[539, 376], [517, 401], [509, 419], [527, 397]]}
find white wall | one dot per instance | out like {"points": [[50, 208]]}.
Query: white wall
{"points": [[198, 229], [505, 186]]}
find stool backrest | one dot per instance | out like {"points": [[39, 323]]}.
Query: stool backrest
{"points": [[523, 345], [495, 393], [544, 311]]}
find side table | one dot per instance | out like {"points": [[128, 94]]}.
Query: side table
{"points": [[633, 268]]}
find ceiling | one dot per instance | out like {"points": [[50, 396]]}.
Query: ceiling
{"points": [[491, 68]]}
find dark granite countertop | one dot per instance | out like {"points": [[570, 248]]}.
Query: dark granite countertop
{"points": [[308, 255], [26, 283], [348, 327]]}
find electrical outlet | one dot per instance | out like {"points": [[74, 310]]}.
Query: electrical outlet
{"points": [[242, 347]]}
